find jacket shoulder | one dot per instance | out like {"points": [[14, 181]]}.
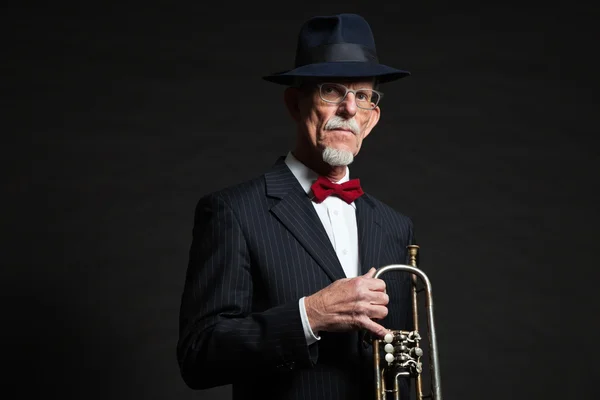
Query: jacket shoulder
{"points": [[251, 191]]}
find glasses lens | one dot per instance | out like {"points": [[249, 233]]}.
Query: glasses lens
{"points": [[366, 98], [334, 93]]}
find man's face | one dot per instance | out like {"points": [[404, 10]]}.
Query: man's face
{"points": [[340, 126]]}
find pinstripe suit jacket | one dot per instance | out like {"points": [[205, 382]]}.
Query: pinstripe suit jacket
{"points": [[257, 248]]}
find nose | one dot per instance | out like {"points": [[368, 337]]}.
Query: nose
{"points": [[348, 106]]}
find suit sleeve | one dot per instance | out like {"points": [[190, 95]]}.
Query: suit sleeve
{"points": [[220, 337]]}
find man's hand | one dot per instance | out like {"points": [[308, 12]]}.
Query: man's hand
{"points": [[349, 304]]}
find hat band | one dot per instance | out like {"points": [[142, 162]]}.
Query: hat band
{"points": [[337, 52]]}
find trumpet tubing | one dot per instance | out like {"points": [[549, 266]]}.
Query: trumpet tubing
{"points": [[402, 348]]}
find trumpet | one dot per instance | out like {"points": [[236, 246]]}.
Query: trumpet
{"points": [[402, 348]]}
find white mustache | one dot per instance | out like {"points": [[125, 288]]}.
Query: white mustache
{"points": [[337, 122]]}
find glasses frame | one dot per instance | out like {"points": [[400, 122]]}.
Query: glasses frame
{"points": [[348, 90]]}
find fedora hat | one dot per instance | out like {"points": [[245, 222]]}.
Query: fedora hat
{"points": [[339, 46]]}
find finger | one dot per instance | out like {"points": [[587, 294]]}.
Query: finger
{"points": [[370, 273], [374, 296], [371, 284], [373, 327], [376, 285], [379, 298], [376, 311]]}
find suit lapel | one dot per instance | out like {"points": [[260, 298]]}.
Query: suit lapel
{"points": [[296, 212], [370, 233]]}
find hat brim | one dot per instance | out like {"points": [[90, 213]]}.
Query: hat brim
{"points": [[348, 69]]}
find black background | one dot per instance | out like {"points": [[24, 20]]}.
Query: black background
{"points": [[118, 117]]}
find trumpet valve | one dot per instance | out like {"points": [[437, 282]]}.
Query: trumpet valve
{"points": [[388, 338]]}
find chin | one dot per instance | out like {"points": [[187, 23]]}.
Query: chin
{"points": [[337, 157]]}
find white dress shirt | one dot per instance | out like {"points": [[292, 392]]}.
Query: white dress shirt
{"points": [[339, 221]]}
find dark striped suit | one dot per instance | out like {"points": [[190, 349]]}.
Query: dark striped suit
{"points": [[257, 248]]}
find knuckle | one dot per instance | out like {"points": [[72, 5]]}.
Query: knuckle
{"points": [[358, 289], [362, 296], [360, 309]]}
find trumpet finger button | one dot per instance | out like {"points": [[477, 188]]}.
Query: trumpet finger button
{"points": [[388, 338]]}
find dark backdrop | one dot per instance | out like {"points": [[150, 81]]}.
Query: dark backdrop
{"points": [[118, 117]]}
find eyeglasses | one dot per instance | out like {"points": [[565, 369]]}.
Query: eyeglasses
{"points": [[335, 93]]}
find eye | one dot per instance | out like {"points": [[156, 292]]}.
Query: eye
{"points": [[331, 92]]}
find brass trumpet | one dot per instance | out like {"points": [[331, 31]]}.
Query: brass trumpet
{"points": [[402, 348]]}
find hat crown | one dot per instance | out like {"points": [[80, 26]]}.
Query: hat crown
{"points": [[336, 38], [341, 28]]}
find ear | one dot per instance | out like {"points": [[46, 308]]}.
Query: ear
{"points": [[291, 97], [373, 120]]}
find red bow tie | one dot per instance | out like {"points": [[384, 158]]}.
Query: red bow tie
{"points": [[347, 191]]}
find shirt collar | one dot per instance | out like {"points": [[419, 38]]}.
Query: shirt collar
{"points": [[306, 176]]}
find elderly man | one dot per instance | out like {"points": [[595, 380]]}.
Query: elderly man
{"points": [[279, 291]]}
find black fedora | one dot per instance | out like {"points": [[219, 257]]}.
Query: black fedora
{"points": [[339, 46]]}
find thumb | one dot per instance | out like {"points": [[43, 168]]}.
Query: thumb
{"points": [[370, 273]]}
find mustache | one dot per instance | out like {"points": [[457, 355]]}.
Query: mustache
{"points": [[337, 122]]}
